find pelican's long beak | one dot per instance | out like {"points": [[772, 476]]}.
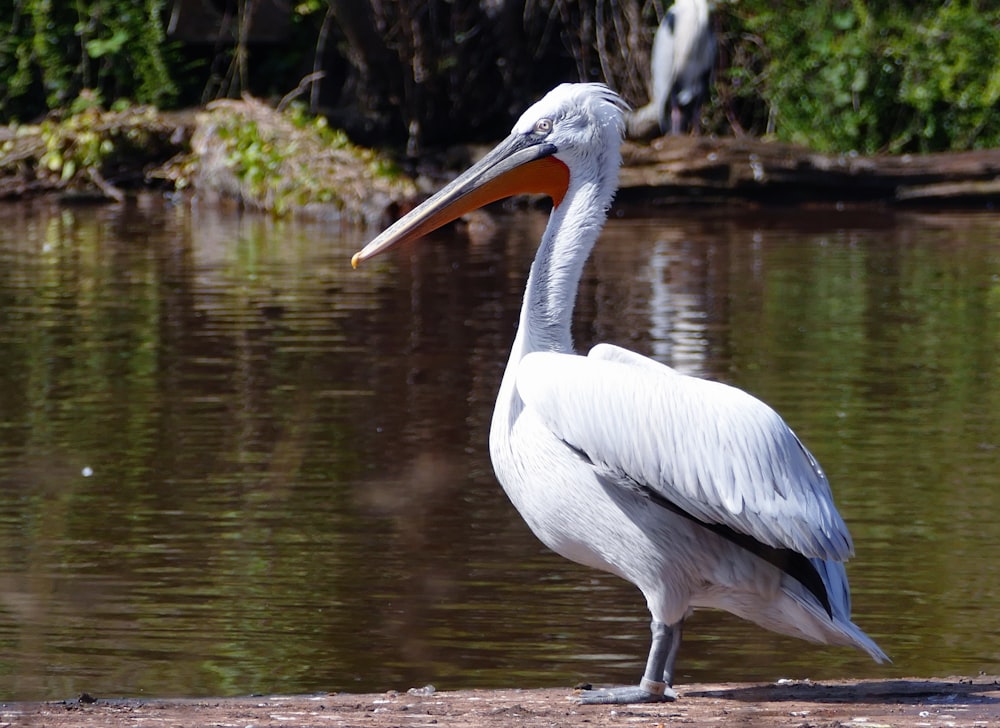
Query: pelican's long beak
{"points": [[518, 165]]}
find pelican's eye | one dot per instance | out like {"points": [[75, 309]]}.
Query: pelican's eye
{"points": [[543, 127]]}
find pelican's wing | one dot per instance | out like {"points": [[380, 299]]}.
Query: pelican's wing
{"points": [[662, 70], [712, 450]]}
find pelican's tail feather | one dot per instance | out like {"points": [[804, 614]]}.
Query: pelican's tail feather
{"points": [[836, 628], [844, 631]]}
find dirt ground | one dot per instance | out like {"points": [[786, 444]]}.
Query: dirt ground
{"points": [[956, 702]]}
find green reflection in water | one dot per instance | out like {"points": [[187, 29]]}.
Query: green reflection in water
{"points": [[892, 347], [288, 487]]}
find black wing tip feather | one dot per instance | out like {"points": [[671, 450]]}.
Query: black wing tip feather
{"points": [[796, 565]]}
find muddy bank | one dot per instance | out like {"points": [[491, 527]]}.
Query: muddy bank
{"points": [[957, 702]]}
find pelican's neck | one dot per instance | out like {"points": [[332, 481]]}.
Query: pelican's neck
{"points": [[547, 308]]}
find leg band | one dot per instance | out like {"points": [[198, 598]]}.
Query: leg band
{"points": [[654, 687]]}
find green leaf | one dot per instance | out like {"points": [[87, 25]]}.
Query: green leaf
{"points": [[98, 47]]}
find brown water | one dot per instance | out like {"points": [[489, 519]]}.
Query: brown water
{"points": [[231, 464]]}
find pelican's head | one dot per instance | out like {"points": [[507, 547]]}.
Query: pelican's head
{"points": [[581, 120], [573, 131]]}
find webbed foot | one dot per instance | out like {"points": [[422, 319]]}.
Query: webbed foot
{"points": [[645, 692]]}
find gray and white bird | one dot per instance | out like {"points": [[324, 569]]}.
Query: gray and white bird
{"points": [[694, 491], [681, 65]]}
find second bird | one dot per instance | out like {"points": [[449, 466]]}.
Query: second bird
{"points": [[681, 65]]}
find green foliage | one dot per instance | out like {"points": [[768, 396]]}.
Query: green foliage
{"points": [[835, 75], [74, 145], [87, 146], [51, 51], [254, 158], [872, 76], [952, 80], [86, 151]]}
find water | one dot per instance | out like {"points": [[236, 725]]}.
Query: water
{"points": [[231, 464]]}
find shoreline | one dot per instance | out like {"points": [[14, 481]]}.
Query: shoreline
{"points": [[957, 702], [240, 150], [751, 169]]}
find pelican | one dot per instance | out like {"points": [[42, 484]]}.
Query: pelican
{"points": [[694, 491], [681, 65]]}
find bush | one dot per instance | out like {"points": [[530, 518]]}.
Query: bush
{"points": [[877, 76], [835, 75], [50, 51]]}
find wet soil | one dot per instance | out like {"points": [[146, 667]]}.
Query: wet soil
{"points": [[956, 702]]}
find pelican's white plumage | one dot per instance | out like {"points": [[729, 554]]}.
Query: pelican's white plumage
{"points": [[643, 422], [694, 491]]}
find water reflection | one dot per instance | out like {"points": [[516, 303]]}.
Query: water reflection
{"points": [[230, 464]]}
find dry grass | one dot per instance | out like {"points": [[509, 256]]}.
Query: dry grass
{"points": [[283, 162]]}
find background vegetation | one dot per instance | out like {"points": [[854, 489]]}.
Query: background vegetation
{"points": [[875, 75]]}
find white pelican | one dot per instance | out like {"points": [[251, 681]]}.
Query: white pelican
{"points": [[681, 65], [694, 491]]}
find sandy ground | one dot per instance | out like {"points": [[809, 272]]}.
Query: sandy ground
{"points": [[955, 702]]}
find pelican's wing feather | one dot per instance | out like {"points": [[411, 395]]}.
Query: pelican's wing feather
{"points": [[714, 451], [662, 62]]}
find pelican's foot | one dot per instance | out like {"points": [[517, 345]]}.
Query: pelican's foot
{"points": [[646, 691]]}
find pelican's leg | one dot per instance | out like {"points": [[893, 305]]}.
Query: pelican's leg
{"points": [[676, 120], [675, 646], [652, 688]]}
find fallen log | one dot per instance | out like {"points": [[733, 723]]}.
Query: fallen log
{"points": [[743, 167]]}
